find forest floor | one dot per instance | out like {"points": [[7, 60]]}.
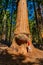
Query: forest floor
{"points": [[9, 57]]}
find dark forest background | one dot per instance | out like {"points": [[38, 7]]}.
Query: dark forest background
{"points": [[8, 11]]}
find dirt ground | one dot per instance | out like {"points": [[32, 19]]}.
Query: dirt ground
{"points": [[9, 57]]}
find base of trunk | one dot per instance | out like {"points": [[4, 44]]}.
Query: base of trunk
{"points": [[21, 47]]}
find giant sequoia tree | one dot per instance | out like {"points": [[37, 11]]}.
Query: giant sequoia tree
{"points": [[22, 26]]}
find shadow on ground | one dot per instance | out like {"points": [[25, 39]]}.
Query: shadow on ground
{"points": [[8, 59], [8, 43]]}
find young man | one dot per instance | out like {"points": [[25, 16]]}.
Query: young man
{"points": [[29, 47]]}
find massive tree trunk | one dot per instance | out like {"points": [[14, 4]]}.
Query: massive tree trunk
{"points": [[22, 18], [19, 45], [22, 26]]}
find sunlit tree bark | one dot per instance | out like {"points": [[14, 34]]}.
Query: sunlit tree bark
{"points": [[22, 25]]}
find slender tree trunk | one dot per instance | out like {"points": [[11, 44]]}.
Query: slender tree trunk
{"points": [[4, 27], [42, 20], [1, 24], [39, 17], [36, 17]]}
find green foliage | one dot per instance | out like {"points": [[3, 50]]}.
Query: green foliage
{"points": [[34, 30]]}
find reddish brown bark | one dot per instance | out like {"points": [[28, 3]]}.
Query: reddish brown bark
{"points": [[22, 25]]}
